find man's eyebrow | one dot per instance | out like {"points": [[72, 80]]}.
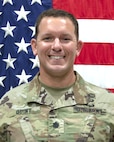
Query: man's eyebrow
{"points": [[62, 34], [66, 34], [47, 34]]}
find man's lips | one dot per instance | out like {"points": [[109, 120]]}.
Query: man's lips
{"points": [[56, 57]]}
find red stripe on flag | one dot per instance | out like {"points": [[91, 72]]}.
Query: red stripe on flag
{"points": [[111, 90], [97, 9], [96, 54]]}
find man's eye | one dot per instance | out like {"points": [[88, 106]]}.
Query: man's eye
{"points": [[65, 39], [48, 39]]}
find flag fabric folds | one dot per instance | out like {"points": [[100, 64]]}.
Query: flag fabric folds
{"points": [[17, 18]]}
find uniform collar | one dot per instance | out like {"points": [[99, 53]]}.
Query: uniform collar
{"points": [[80, 90], [40, 95]]}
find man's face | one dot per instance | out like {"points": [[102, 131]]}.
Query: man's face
{"points": [[56, 45]]}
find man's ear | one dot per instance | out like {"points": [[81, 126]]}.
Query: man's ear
{"points": [[34, 46], [79, 47]]}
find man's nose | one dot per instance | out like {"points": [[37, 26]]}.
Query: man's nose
{"points": [[57, 45]]}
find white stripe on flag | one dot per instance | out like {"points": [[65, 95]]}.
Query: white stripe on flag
{"points": [[99, 30], [99, 75]]}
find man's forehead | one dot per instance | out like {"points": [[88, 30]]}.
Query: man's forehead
{"points": [[51, 18]]}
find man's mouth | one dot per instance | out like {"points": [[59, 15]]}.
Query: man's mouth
{"points": [[56, 57]]}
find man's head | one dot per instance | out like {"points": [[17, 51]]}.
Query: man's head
{"points": [[57, 13], [56, 43]]}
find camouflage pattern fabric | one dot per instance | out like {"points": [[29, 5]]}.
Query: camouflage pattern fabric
{"points": [[84, 113]]}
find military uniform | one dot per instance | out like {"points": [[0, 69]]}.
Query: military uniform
{"points": [[82, 113]]}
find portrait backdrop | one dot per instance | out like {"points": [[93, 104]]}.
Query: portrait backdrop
{"points": [[18, 65]]}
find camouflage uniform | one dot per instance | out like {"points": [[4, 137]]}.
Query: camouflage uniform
{"points": [[84, 113]]}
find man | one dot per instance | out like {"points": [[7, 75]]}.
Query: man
{"points": [[57, 105]]}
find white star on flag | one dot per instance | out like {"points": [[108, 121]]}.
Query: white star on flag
{"points": [[8, 29], [38, 1], [7, 1], [9, 61], [11, 88], [35, 62], [22, 14], [0, 13], [23, 77], [1, 80], [33, 30], [1, 45], [22, 46]]}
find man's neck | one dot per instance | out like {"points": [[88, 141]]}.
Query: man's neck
{"points": [[57, 81]]}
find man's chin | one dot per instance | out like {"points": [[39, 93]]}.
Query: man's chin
{"points": [[57, 70]]}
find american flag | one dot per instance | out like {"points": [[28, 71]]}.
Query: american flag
{"points": [[17, 62], [96, 22]]}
